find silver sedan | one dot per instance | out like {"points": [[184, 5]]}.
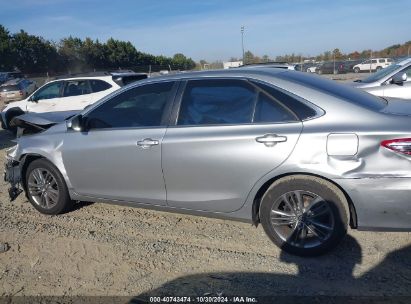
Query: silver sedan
{"points": [[392, 81], [303, 156]]}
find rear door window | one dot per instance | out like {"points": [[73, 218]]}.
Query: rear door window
{"points": [[230, 101], [216, 102], [269, 111], [98, 85], [294, 103], [76, 88]]}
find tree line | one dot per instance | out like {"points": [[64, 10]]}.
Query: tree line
{"points": [[396, 50], [34, 54], [393, 51]]}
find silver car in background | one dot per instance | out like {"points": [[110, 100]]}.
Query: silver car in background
{"points": [[16, 89], [303, 156], [392, 81]]}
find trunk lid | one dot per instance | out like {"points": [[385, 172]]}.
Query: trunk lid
{"points": [[398, 106]]}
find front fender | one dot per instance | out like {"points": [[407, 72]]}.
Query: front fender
{"points": [[32, 147]]}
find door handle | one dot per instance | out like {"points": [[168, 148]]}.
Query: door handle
{"points": [[270, 140], [147, 143]]}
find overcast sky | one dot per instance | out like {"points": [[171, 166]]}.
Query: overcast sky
{"points": [[210, 29]]}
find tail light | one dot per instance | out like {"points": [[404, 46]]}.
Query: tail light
{"points": [[21, 93], [400, 145]]}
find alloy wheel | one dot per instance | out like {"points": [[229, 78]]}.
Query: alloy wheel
{"points": [[43, 188], [302, 219]]}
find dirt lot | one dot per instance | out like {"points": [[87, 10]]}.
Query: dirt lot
{"points": [[101, 249]]}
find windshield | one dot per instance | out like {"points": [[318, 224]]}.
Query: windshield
{"points": [[381, 73], [347, 93]]}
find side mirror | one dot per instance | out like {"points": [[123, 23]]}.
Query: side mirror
{"points": [[76, 123], [34, 98], [399, 78]]}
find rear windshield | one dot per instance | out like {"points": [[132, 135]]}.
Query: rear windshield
{"points": [[352, 95], [9, 88]]}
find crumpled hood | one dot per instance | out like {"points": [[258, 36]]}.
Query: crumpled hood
{"points": [[37, 122]]}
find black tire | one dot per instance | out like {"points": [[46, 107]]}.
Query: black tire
{"points": [[319, 72], [356, 70], [63, 203], [332, 213], [378, 68]]}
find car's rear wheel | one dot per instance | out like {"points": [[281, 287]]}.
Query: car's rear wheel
{"points": [[304, 215], [356, 70], [46, 188], [378, 68]]}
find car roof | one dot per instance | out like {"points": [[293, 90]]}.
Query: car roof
{"points": [[81, 77], [229, 73], [98, 74]]}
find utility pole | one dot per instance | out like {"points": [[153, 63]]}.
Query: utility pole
{"points": [[242, 42]]}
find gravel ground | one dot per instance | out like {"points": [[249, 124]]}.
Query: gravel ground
{"points": [[101, 249]]}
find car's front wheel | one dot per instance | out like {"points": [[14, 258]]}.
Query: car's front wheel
{"points": [[356, 70], [304, 215], [46, 188]]}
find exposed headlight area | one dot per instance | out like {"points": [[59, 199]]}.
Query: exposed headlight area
{"points": [[12, 152]]}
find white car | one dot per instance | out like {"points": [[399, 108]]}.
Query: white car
{"points": [[312, 69], [373, 64], [68, 95]]}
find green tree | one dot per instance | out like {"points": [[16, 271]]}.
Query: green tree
{"points": [[5, 49], [265, 58], [337, 54], [248, 57], [327, 56], [32, 53], [181, 62]]}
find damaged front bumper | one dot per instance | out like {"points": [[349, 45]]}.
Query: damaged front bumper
{"points": [[12, 175]]}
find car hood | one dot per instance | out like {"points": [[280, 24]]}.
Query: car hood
{"points": [[398, 106], [30, 123]]}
